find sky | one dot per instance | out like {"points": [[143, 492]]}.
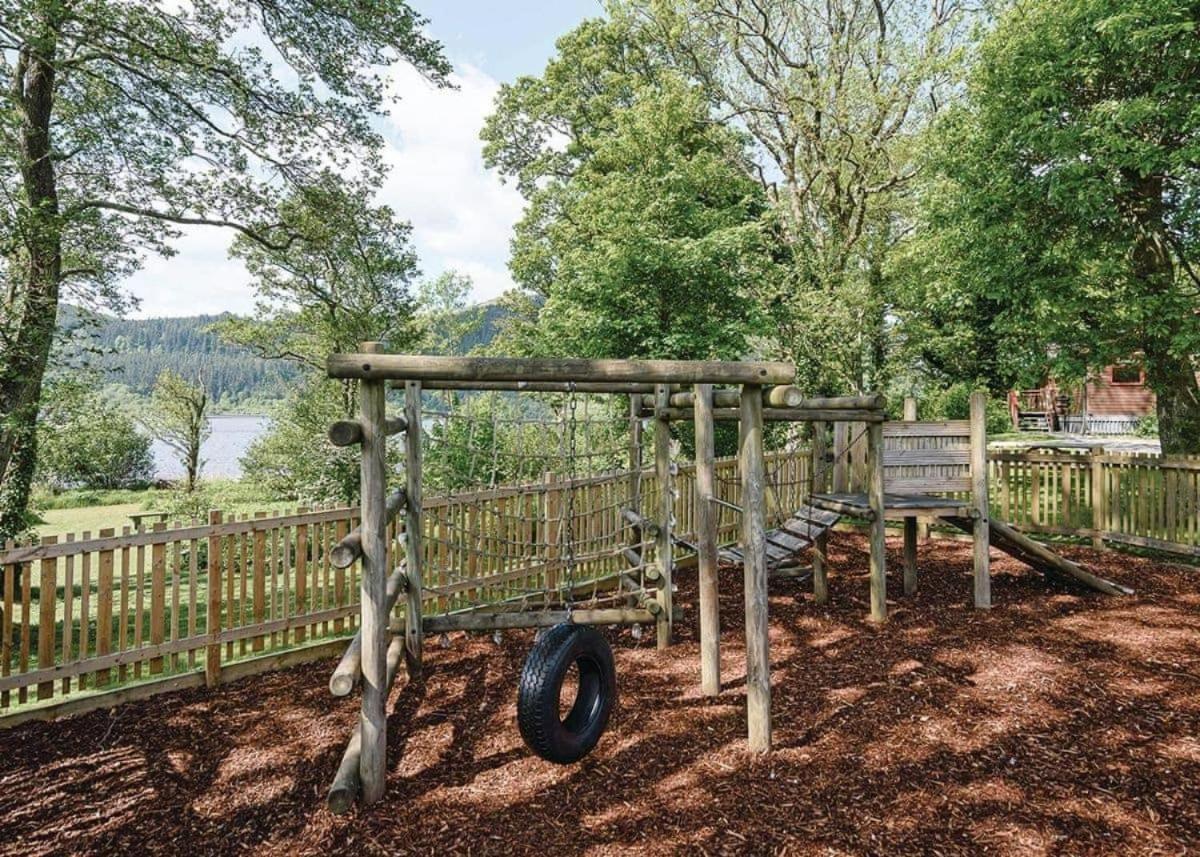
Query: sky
{"points": [[462, 215]]}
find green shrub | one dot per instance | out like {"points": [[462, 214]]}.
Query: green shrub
{"points": [[1147, 426], [954, 403]]}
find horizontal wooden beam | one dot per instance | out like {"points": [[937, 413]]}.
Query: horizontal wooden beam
{"points": [[349, 432], [475, 621], [346, 552], [776, 415], [778, 396], [615, 387], [415, 367]]}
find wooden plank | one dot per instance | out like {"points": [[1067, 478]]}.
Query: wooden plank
{"points": [[406, 367], [924, 457], [910, 556], [68, 626], [104, 605], [945, 428], [259, 582], [6, 627], [48, 602], [158, 593], [212, 662]]}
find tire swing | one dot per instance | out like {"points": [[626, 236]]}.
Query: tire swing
{"points": [[554, 737], [547, 731]]}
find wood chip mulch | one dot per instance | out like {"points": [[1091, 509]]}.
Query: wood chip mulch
{"points": [[1059, 722]]}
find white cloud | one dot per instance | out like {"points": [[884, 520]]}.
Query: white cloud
{"points": [[462, 215]]}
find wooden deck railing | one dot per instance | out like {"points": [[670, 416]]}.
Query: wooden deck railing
{"points": [[99, 611]]}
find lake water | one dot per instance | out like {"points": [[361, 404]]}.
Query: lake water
{"points": [[231, 435]]}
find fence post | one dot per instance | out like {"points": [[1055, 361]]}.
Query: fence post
{"points": [[212, 662], [979, 493], [1098, 495]]}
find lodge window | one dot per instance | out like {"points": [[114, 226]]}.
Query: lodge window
{"points": [[1127, 373]]}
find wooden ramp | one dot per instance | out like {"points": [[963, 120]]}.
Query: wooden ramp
{"points": [[1037, 556], [797, 534]]}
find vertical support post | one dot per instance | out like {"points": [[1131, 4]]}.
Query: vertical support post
{"points": [[635, 468], [706, 542], [1097, 467], [754, 551], [979, 494], [910, 409], [841, 455], [821, 543], [212, 657], [910, 556], [666, 511], [372, 766], [413, 534], [875, 499]]}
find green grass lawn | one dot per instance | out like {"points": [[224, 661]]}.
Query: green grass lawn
{"points": [[88, 519]]}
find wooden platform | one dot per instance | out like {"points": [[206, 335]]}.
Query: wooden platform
{"points": [[894, 505]]}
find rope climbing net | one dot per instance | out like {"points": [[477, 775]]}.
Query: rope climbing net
{"points": [[526, 500]]}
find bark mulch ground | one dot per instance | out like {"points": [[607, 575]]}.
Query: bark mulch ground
{"points": [[1059, 722]]}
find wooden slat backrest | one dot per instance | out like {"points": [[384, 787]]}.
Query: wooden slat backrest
{"points": [[918, 457], [927, 457]]}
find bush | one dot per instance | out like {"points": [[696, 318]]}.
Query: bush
{"points": [[1147, 426], [85, 442], [954, 403]]}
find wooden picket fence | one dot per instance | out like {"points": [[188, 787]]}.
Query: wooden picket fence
{"points": [[101, 611], [85, 616], [1149, 501]]}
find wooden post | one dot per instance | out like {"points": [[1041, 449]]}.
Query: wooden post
{"points": [[821, 543], [1097, 467], [841, 455], [212, 662], [373, 588], [413, 534], [979, 494], [754, 551], [878, 566], [910, 556], [706, 541], [666, 510]]}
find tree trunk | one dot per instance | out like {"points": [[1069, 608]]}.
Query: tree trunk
{"points": [[34, 313], [1170, 375], [1173, 380]]}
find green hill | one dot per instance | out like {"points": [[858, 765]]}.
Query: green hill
{"points": [[133, 352]]}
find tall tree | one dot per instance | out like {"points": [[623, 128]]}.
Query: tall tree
{"points": [[832, 94], [344, 278], [643, 220], [121, 122], [1066, 204], [178, 416]]}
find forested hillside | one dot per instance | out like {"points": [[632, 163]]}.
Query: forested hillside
{"points": [[133, 352]]}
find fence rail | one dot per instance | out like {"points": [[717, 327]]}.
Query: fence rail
{"points": [[100, 611]]}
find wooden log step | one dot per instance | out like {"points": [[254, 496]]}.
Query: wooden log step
{"points": [[789, 541], [825, 517]]}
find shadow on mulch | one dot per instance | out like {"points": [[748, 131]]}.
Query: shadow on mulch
{"points": [[1057, 722]]}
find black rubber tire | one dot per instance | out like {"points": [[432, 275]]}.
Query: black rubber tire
{"points": [[569, 739]]}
